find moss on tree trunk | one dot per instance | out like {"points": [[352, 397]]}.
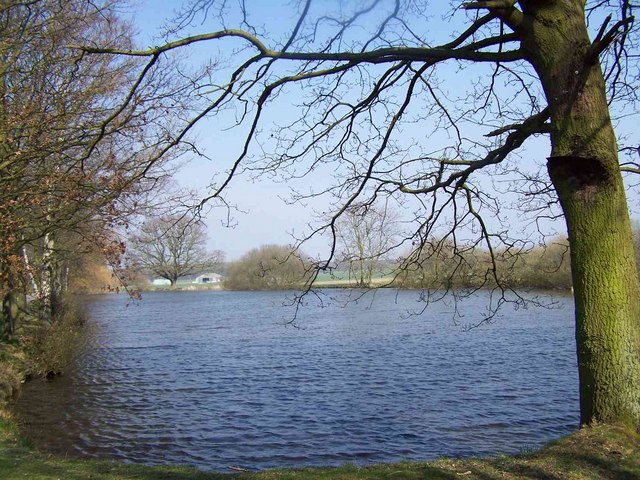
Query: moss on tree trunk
{"points": [[585, 172], [605, 288]]}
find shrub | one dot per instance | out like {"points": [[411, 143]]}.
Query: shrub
{"points": [[270, 267], [54, 347]]}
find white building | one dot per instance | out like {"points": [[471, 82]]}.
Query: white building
{"points": [[206, 278]]}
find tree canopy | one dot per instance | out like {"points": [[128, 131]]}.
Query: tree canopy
{"points": [[78, 155]]}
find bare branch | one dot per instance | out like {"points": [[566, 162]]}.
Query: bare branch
{"points": [[604, 40], [505, 9], [534, 124], [382, 55]]}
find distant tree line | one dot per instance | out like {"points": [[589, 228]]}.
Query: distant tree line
{"points": [[444, 265], [173, 246]]}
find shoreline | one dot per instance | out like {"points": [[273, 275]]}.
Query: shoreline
{"points": [[591, 453], [337, 284]]}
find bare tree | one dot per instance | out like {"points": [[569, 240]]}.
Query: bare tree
{"points": [[366, 234], [366, 73], [173, 247]]}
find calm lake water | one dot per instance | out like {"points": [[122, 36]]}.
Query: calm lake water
{"points": [[214, 379]]}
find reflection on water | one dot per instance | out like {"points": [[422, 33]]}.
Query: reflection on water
{"points": [[213, 379]]}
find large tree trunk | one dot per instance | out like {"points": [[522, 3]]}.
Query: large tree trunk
{"points": [[9, 314], [584, 169], [606, 291], [12, 304]]}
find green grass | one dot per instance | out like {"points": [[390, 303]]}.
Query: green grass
{"points": [[599, 452]]}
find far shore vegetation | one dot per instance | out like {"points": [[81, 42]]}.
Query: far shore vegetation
{"points": [[441, 265], [276, 267]]}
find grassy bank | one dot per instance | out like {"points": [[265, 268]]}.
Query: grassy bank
{"points": [[594, 453]]}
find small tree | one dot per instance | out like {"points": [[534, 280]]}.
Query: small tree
{"points": [[366, 233], [172, 247], [270, 267]]}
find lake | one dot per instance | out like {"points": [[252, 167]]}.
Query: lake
{"points": [[216, 379]]}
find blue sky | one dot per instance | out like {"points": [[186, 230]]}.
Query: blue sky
{"points": [[262, 216]]}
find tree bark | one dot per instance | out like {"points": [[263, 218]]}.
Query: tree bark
{"points": [[584, 169], [12, 304], [9, 314], [48, 283]]}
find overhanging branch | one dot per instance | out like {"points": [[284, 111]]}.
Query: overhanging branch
{"points": [[381, 55], [532, 125]]}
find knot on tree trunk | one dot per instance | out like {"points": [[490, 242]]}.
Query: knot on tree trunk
{"points": [[583, 176]]}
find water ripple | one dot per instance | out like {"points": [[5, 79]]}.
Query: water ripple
{"points": [[227, 384]]}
